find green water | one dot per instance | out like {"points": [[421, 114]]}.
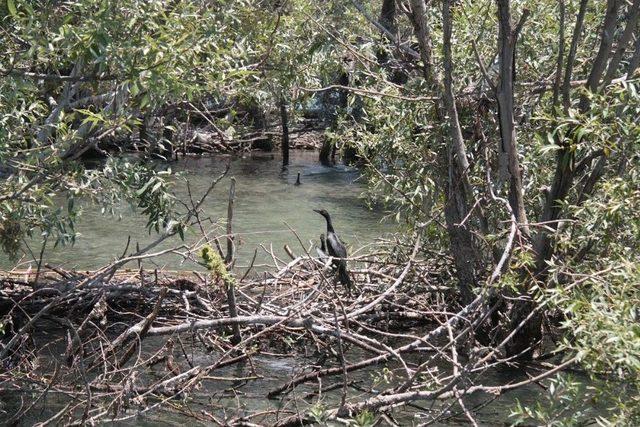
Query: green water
{"points": [[269, 208]]}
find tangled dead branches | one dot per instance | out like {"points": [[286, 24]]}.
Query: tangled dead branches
{"points": [[150, 343]]}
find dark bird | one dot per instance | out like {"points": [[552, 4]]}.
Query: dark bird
{"points": [[336, 249], [322, 251], [298, 179]]}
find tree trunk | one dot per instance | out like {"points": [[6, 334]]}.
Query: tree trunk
{"points": [[606, 41], [457, 209], [325, 152], [456, 184], [577, 30], [560, 61], [528, 325], [508, 153], [388, 20], [233, 311], [632, 21], [388, 16], [144, 132], [167, 150], [565, 158], [634, 62], [421, 29], [232, 197]]}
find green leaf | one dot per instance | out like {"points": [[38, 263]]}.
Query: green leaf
{"points": [[12, 8], [145, 101]]}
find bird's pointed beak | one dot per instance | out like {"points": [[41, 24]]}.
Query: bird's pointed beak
{"points": [[316, 211]]}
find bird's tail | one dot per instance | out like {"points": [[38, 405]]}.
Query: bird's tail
{"points": [[343, 275]]}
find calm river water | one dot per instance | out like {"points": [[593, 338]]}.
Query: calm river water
{"points": [[267, 204]]}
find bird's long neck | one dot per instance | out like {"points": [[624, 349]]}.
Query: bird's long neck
{"points": [[329, 224]]}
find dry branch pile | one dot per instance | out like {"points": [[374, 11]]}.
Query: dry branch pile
{"points": [[84, 348]]}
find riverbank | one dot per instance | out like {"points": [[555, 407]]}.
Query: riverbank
{"points": [[187, 138]]}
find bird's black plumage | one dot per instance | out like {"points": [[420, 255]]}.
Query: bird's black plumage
{"points": [[322, 251], [336, 249]]}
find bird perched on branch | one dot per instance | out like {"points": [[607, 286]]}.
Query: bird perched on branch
{"points": [[336, 249], [322, 250]]}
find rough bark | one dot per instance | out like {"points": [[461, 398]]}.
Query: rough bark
{"points": [[529, 335], [388, 16], [421, 29], [457, 187], [388, 13], [634, 62], [606, 41]]}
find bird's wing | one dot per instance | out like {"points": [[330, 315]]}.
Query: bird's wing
{"points": [[335, 246]]}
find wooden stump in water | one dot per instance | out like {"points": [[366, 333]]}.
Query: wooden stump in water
{"points": [[285, 132], [325, 152]]}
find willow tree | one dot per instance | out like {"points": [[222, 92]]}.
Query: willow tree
{"points": [[482, 156], [79, 73]]}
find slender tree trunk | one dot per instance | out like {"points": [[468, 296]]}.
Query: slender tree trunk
{"points": [[144, 132], [631, 27], [634, 62], [562, 183], [577, 31], [456, 209], [421, 29], [232, 198], [456, 184], [388, 16], [325, 152], [387, 19], [168, 137], [68, 93], [233, 311], [328, 150], [528, 331], [508, 152], [558, 79], [606, 41], [565, 158]]}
